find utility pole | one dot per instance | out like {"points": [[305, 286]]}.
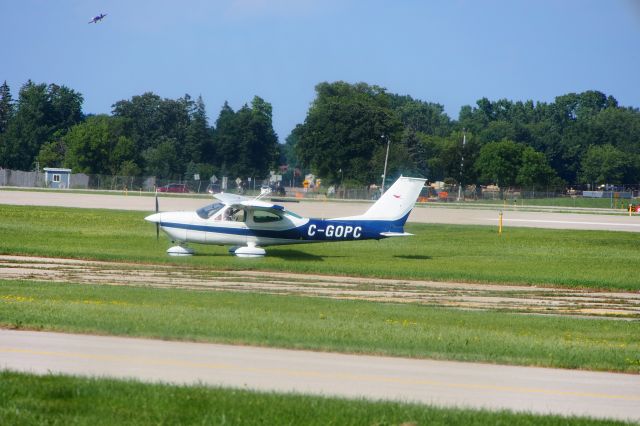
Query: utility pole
{"points": [[384, 173], [37, 180], [464, 142]]}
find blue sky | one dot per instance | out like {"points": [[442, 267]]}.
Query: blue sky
{"points": [[449, 52]]}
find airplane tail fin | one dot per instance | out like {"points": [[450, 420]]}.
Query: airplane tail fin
{"points": [[397, 201], [394, 206]]}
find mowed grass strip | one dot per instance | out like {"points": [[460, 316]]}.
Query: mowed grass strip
{"points": [[592, 259], [348, 326], [580, 202], [56, 399]]}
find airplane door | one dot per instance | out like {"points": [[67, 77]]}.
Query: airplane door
{"points": [[228, 229], [196, 233]]}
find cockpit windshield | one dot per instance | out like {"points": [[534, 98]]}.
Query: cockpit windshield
{"points": [[290, 213], [207, 211]]}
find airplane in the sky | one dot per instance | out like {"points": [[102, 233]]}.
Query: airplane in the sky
{"points": [[98, 18], [249, 224]]}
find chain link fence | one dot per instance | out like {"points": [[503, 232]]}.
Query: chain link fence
{"points": [[252, 186]]}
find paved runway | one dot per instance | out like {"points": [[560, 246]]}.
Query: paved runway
{"points": [[324, 209], [444, 383]]}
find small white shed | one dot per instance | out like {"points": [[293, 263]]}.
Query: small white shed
{"points": [[57, 178]]}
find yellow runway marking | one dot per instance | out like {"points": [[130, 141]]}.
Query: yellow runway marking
{"points": [[315, 374]]}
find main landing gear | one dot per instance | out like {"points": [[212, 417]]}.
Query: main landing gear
{"points": [[250, 250], [180, 250]]}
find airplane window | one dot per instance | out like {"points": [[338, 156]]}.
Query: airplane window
{"points": [[261, 216], [238, 215], [293, 214], [207, 211]]}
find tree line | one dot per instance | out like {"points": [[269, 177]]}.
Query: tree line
{"points": [[167, 138], [584, 138], [579, 138]]}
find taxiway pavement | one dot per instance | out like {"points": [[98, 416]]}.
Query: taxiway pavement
{"points": [[324, 209], [442, 383]]}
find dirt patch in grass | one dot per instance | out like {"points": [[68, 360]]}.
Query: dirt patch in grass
{"points": [[526, 299]]}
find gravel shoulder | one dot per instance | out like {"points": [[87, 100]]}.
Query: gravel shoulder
{"points": [[511, 298]]}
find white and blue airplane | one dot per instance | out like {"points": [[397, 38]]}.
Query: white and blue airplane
{"points": [[249, 224], [97, 18]]}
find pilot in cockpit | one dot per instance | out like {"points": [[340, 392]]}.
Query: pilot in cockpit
{"points": [[234, 215]]}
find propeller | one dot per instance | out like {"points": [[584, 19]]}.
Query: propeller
{"points": [[157, 224]]}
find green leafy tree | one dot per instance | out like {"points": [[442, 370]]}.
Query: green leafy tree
{"points": [[434, 150], [604, 165], [497, 131], [245, 143], [289, 157], [288, 151], [42, 111], [442, 157], [96, 146], [419, 116], [619, 127], [198, 137], [6, 114], [226, 137], [162, 160], [28, 129], [261, 139], [346, 128], [499, 162], [151, 120], [123, 158], [52, 153], [445, 156], [128, 168], [65, 107], [419, 119], [88, 146], [6, 107], [144, 118], [562, 130], [534, 171]]}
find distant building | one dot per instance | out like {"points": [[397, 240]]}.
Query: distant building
{"points": [[57, 178]]}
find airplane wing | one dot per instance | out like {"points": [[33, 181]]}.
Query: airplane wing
{"points": [[261, 205], [230, 199], [239, 201]]}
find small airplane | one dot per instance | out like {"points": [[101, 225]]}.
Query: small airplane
{"points": [[98, 18], [250, 224]]}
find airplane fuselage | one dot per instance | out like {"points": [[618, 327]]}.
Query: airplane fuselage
{"points": [[189, 228], [249, 224]]}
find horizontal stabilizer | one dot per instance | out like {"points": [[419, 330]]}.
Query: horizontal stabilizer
{"points": [[395, 234]]}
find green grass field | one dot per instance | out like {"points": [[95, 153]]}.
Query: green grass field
{"points": [[407, 330], [600, 260], [579, 202], [590, 259], [52, 399]]}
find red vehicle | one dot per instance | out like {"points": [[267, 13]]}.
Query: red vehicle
{"points": [[174, 187]]}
